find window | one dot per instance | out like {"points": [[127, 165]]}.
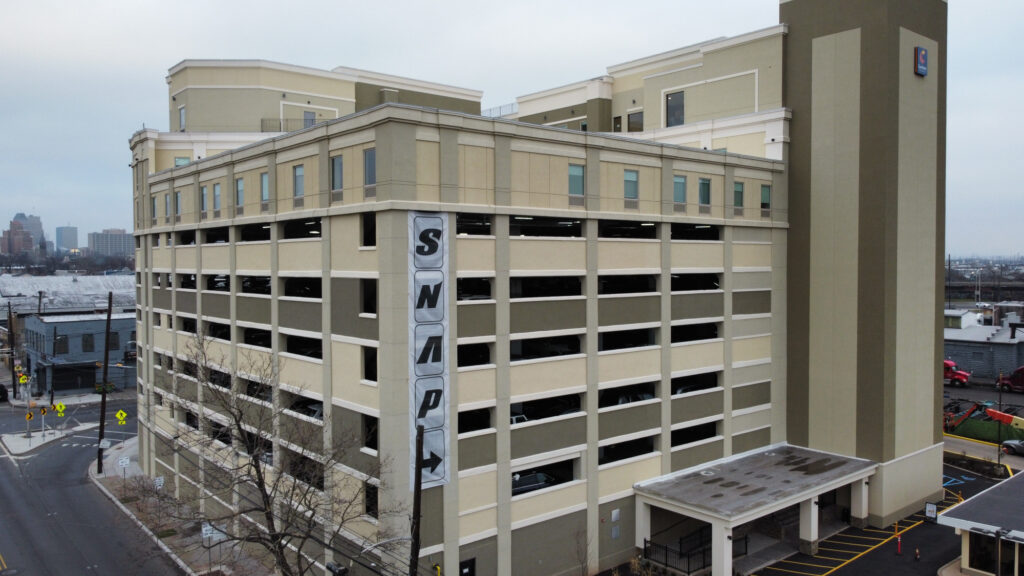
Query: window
{"points": [[694, 433], [218, 330], [177, 203], [524, 481], [545, 227], [674, 109], [694, 383], [695, 232], [627, 284], [630, 185], [309, 347], [181, 161], [264, 191], [617, 124], [635, 122], [217, 235], [202, 200], [766, 197], [737, 198], [473, 354], [256, 284], [626, 229], [89, 341], [299, 229], [303, 287], [624, 450], [60, 344], [544, 408], [370, 172], [218, 282], [308, 118], [368, 295], [181, 118], [679, 189], [472, 224], [623, 339], [473, 288], [216, 199], [369, 363], [549, 347], [187, 281], [298, 181], [704, 192], [543, 286], [369, 431], [694, 332], [186, 238], [694, 282], [626, 394], [575, 180], [472, 420], [152, 212], [254, 233], [255, 337], [167, 207], [369, 229], [239, 195], [337, 173], [370, 499]]}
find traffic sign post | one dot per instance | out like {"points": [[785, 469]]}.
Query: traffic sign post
{"points": [[123, 463], [42, 421], [28, 428]]}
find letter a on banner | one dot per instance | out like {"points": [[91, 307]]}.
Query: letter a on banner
{"points": [[429, 344]]}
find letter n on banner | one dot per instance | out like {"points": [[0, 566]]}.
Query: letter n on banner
{"points": [[428, 344]]}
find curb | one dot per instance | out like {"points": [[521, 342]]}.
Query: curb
{"points": [[976, 441], [181, 563]]}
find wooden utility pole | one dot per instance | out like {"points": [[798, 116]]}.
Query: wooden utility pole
{"points": [[103, 386], [417, 491], [12, 340]]}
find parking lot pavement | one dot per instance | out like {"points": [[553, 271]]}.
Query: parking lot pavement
{"points": [[872, 551]]}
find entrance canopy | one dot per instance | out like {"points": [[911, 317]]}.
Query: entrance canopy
{"points": [[741, 488]]}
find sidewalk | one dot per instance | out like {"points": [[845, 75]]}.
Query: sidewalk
{"points": [[181, 540]]}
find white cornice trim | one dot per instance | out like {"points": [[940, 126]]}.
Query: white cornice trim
{"points": [[400, 82], [694, 50], [214, 63]]}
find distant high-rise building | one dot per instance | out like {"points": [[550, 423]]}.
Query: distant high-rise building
{"points": [[17, 239], [111, 242], [31, 224], [67, 238]]}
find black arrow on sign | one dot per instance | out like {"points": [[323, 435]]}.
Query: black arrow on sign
{"points": [[434, 461]]}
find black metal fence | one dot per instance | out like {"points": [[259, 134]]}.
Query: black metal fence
{"points": [[693, 553]]}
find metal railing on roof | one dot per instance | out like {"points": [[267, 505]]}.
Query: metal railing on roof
{"points": [[499, 111]]}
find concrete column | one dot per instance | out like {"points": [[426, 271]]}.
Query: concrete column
{"points": [[809, 526], [721, 549], [859, 503], [643, 523]]}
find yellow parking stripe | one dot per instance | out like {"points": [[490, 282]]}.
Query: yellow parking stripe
{"points": [[3, 565], [828, 558], [805, 564], [792, 571]]}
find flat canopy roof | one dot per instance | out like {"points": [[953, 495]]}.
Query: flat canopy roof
{"points": [[750, 485], [1000, 508]]}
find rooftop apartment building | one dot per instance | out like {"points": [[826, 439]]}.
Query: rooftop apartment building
{"points": [[111, 242], [583, 321]]}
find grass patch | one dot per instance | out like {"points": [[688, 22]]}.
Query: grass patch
{"points": [[166, 533]]}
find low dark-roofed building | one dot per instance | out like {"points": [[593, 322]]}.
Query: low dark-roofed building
{"points": [[992, 527]]}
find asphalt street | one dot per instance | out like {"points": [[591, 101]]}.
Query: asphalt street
{"points": [[53, 520]]}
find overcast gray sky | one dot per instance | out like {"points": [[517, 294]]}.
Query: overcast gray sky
{"points": [[77, 78]]}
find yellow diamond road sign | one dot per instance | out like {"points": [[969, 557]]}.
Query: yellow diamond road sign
{"points": [[121, 415], [59, 407]]}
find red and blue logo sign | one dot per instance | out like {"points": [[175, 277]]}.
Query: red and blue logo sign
{"points": [[920, 61]]}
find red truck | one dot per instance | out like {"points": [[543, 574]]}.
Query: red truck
{"points": [[1014, 382], [951, 374]]}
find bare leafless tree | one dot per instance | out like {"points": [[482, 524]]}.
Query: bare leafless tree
{"points": [[269, 482]]}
